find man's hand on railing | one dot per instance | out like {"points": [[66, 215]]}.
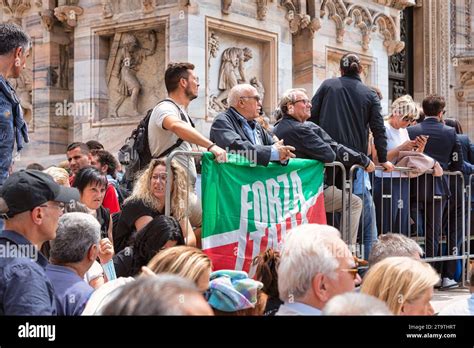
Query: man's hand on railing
{"points": [[388, 166], [285, 151], [219, 153], [370, 167]]}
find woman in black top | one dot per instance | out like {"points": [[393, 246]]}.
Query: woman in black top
{"points": [[148, 201], [92, 186], [161, 233]]}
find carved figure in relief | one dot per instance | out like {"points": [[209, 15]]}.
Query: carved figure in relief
{"points": [[213, 44], [130, 57], [23, 87], [107, 11], [226, 6], [231, 72]]}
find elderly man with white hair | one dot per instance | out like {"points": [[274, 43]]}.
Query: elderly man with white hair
{"points": [[315, 266], [72, 253], [237, 130]]}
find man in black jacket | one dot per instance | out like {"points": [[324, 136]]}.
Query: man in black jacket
{"points": [[345, 108], [237, 131], [311, 141], [444, 147]]}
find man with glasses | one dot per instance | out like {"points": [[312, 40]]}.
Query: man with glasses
{"points": [[31, 204], [238, 132], [170, 126], [315, 266], [311, 141]]}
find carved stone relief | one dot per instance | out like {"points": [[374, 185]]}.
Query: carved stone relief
{"points": [[67, 14], [225, 6], [213, 46], [398, 4], [23, 86], [231, 73], [363, 20], [337, 12], [367, 21], [387, 28], [135, 68], [262, 9], [298, 19], [107, 10], [232, 60], [148, 6], [47, 19], [15, 8]]}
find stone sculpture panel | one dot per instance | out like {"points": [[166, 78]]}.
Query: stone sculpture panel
{"points": [[135, 72]]}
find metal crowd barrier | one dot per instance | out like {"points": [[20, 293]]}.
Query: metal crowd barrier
{"points": [[423, 216], [470, 226], [393, 189], [331, 201]]}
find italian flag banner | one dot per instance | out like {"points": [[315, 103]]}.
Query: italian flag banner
{"points": [[247, 208]]}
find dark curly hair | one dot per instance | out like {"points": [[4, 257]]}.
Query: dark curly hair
{"points": [[267, 265]]}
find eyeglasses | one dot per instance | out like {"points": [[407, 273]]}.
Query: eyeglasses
{"points": [[354, 271], [161, 177], [256, 97], [58, 205], [408, 118], [305, 101]]}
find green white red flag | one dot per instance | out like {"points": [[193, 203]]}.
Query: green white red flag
{"points": [[248, 209]]}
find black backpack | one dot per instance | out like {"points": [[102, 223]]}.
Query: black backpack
{"points": [[135, 154]]}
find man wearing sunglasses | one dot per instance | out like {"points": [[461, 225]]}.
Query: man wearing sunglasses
{"points": [[315, 266], [31, 204], [311, 141], [237, 130]]}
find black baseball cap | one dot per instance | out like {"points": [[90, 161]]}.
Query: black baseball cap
{"points": [[27, 189]]}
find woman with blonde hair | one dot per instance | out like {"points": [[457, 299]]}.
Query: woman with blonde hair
{"points": [[404, 284], [185, 261], [147, 201], [60, 175], [391, 215]]}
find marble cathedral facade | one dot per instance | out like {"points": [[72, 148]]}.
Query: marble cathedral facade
{"points": [[97, 66]]}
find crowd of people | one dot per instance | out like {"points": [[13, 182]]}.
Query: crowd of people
{"points": [[79, 239]]}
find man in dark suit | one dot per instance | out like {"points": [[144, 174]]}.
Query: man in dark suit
{"points": [[237, 130], [444, 147], [311, 141]]}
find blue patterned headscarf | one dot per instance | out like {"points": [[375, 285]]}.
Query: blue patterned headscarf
{"points": [[230, 291]]}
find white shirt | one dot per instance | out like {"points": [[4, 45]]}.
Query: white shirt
{"points": [[161, 139], [395, 137], [297, 308]]}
